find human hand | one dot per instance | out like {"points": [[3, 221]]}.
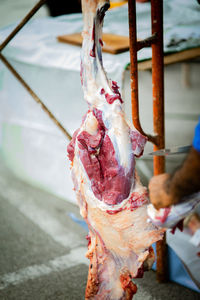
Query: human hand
{"points": [[157, 191]]}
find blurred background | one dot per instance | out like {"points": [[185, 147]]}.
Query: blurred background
{"points": [[33, 149]]}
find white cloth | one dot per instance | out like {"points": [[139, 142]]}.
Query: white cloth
{"points": [[36, 43]]}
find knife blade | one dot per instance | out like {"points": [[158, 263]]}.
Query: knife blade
{"points": [[171, 151]]}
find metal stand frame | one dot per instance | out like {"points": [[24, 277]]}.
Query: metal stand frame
{"points": [[17, 75], [156, 42]]}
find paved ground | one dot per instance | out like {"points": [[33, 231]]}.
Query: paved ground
{"points": [[42, 249]]}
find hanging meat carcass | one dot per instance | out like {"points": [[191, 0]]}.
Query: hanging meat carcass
{"points": [[110, 196]]}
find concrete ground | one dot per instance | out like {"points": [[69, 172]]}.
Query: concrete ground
{"points": [[42, 251]]}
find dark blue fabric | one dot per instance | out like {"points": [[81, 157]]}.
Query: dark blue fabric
{"points": [[196, 140]]}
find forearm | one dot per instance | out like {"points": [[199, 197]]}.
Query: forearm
{"points": [[166, 190], [186, 180]]}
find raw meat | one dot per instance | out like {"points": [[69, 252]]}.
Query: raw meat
{"points": [[111, 198]]}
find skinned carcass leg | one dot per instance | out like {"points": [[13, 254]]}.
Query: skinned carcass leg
{"points": [[110, 196]]}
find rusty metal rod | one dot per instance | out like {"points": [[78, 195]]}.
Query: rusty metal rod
{"points": [[158, 116], [22, 23], [133, 64], [35, 97], [147, 42], [134, 70]]}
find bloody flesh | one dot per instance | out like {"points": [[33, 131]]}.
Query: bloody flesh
{"points": [[111, 198]]}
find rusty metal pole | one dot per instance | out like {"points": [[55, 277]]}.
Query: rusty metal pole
{"points": [[133, 64], [158, 116], [134, 47]]}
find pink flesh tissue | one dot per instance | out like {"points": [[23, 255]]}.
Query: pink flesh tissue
{"points": [[110, 196]]}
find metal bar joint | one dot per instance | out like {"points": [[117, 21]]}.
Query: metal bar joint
{"points": [[147, 42]]}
